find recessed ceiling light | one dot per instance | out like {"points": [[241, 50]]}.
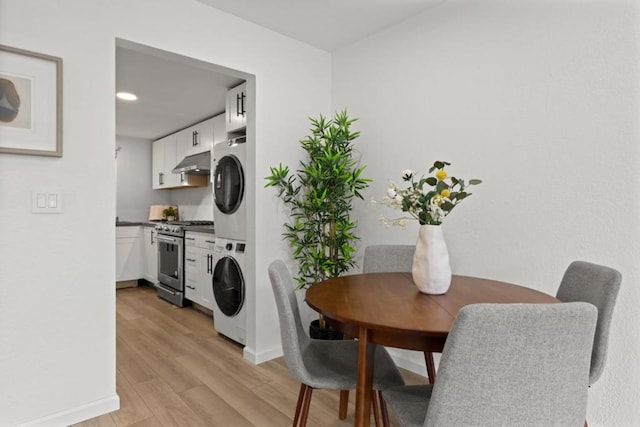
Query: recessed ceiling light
{"points": [[126, 96]]}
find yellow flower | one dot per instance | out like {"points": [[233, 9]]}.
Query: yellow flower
{"points": [[445, 193], [441, 174]]}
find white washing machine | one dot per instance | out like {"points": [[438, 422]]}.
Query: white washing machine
{"points": [[228, 182], [229, 289]]}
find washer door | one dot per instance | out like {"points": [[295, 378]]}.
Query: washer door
{"points": [[228, 184], [228, 286]]}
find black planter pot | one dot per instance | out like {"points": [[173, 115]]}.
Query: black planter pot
{"points": [[318, 333]]}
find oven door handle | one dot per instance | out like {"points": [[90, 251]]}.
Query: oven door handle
{"points": [[165, 239]]}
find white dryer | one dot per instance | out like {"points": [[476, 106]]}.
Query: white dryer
{"points": [[229, 289], [230, 207]]}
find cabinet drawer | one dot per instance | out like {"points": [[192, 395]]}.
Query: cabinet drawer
{"points": [[206, 241]]}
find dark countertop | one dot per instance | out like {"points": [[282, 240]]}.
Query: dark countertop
{"points": [[134, 224]]}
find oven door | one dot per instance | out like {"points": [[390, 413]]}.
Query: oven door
{"points": [[170, 259]]}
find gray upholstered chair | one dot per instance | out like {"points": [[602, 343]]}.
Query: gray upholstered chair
{"points": [[393, 259], [322, 364], [598, 285], [388, 258], [507, 365]]}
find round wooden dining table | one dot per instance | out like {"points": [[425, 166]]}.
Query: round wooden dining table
{"points": [[388, 309]]}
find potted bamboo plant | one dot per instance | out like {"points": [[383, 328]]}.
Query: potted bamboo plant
{"points": [[319, 198]]}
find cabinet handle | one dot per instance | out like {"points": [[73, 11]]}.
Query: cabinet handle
{"points": [[191, 260], [151, 236], [190, 238], [194, 139], [238, 113], [161, 178], [210, 241], [242, 110], [210, 263]]}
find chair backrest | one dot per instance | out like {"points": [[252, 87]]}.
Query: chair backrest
{"points": [[515, 365], [388, 258], [598, 285], [292, 333]]}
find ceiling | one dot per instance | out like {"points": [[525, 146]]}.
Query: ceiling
{"points": [[175, 91], [325, 24]]}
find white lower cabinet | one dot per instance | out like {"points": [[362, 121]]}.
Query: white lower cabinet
{"points": [[150, 255], [198, 268], [128, 253]]}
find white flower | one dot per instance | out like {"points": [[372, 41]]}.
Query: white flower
{"points": [[407, 174], [391, 192]]}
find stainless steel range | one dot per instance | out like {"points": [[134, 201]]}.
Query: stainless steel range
{"points": [[170, 238]]}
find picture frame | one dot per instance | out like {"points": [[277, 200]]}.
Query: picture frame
{"points": [[30, 103]]}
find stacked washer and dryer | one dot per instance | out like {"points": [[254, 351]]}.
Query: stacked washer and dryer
{"points": [[230, 217]]}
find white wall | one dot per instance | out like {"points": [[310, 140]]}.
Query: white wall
{"points": [[57, 305], [134, 194], [538, 99]]}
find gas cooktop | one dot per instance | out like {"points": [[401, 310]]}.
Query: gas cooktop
{"points": [[177, 228]]}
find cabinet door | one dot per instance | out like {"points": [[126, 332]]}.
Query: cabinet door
{"points": [[150, 255], [128, 253], [197, 138], [191, 273], [219, 129], [236, 111], [170, 161], [205, 284], [157, 166]]}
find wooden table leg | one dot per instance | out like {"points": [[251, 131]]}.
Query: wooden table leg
{"points": [[431, 366], [366, 351]]}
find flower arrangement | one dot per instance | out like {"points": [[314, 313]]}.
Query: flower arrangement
{"points": [[428, 199]]}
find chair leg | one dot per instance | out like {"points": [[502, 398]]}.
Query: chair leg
{"points": [[383, 409], [375, 408], [431, 366], [344, 403], [305, 407], [301, 395], [304, 399]]}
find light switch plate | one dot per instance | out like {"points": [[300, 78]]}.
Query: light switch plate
{"points": [[46, 201]]}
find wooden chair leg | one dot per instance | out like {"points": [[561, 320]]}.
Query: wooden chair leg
{"points": [[431, 366], [344, 404], [375, 407], [305, 406], [301, 395], [383, 409]]}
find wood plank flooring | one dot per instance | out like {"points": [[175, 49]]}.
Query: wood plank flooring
{"points": [[173, 369]]}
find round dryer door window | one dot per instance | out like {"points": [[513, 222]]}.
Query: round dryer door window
{"points": [[228, 185], [228, 286]]}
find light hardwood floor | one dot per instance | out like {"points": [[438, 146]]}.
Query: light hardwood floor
{"points": [[173, 369]]}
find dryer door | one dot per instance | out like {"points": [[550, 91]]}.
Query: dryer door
{"points": [[228, 184], [228, 286]]}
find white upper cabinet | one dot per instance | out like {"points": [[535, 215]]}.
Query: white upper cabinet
{"points": [[236, 108], [219, 128], [197, 138], [167, 153], [164, 160]]}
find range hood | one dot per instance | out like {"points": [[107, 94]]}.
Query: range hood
{"points": [[196, 164]]}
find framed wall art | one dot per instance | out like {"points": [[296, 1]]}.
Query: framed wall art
{"points": [[30, 103]]}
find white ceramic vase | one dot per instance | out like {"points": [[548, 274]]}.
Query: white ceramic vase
{"points": [[431, 268]]}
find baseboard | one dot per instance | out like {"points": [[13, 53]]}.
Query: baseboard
{"points": [[76, 415], [265, 356]]}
